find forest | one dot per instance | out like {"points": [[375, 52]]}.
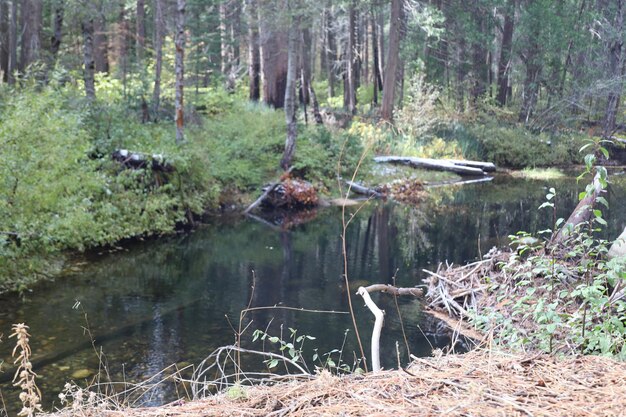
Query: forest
{"points": [[130, 122], [207, 92]]}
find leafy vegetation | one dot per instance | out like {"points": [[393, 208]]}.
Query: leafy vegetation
{"points": [[565, 298]]}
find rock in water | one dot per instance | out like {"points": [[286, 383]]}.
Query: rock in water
{"points": [[81, 374], [618, 248]]}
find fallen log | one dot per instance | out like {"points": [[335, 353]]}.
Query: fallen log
{"points": [[136, 160], [457, 182], [485, 166], [360, 189], [582, 213], [434, 164], [618, 248]]}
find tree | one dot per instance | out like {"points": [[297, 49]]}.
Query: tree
{"points": [[351, 69], [273, 54], [158, 47], [88, 60], [101, 42], [180, 68], [290, 88], [140, 30], [31, 19], [614, 44], [12, 64], [504, 65], [393, 59], [57, 31], [254, 53]]}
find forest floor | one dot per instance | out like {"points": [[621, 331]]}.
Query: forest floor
{"points": [[482, 382]]}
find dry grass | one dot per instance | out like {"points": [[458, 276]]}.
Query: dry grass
{"points": [[479, 383]]}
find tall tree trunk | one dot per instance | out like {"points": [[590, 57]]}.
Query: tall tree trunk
{"points": [[274, 56], [531, 88], [305, 54], [140, 30], [254, 60], [393, 58], [378, 80], [380, 23], [290, 91], [350, 73], [57, 32], [235, 33], [12, 65], [614, 47], [31, 17], [158, 46], [504, 65], [480, 56], [88, 60], [461, 72], [4, 39], [331, 50], [225, 46], [180, 68], [101, 43]]}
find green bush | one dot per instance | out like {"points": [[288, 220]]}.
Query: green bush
{"points": [[322, 156], [514, 146]]}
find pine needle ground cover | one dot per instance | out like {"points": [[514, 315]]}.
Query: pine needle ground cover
{"points": [[479, 383]]}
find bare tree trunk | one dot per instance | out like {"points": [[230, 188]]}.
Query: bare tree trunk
{"points": [[349, 86], [381, 44], [460, 75], [225, 52], [57, 32], [180, 68], [12, 65], [331, 50], [615, 69], [504, 66], [305, 54], [235, 33], [531, 82], [140, 29], [4, 39], [158, 46], [290, 92], [101, 43], [31, 17], [88, 60], [377, 79], [480, 56], [254, 60], [393, 59], [274, 56]]}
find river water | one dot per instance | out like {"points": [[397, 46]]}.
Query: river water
{"points": [[173, 300]]}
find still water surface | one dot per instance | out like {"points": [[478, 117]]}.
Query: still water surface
{"points": [[165, 301]]}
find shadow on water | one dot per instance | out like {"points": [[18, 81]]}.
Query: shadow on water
{"points": [[166, 301]]}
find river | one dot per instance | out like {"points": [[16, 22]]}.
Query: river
{"points": [[173, 300]]}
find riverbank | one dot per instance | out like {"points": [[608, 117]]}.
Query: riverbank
{"points": [[481, 382]]}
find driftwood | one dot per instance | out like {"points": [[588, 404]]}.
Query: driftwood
{"points": [[360, 189], [267, 191], [262, 198], [618, 248], [380, 314], [458, 182], [436, 164], [136, 160], [582, 213]]}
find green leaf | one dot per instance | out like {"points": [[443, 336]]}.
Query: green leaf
{"points": [[604, 152], [274, 339], [273, 363]]}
